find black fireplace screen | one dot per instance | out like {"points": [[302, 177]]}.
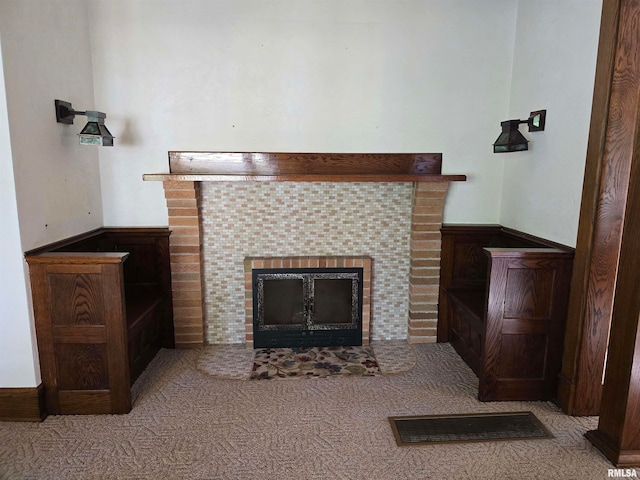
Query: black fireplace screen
{"points": [[307, 307]]}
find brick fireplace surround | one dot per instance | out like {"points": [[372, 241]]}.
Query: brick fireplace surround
{"points": [[182, 193]]}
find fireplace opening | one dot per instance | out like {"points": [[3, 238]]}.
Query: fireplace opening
{"points": [[307, 307]]}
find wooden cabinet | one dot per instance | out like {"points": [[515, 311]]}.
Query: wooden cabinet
{"points": [[102, 304], [503, 304]]}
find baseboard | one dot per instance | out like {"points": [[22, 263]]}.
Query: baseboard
{"points": [[619, 457], [22, 404]]}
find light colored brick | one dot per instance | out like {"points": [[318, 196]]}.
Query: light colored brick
{"points": [[172, 194], [176, 213]]}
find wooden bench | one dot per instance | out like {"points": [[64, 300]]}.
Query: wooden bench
{"points": [[102, 305], [503, 305]]}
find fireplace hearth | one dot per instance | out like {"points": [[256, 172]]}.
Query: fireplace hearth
{"points": [[315, 307]]}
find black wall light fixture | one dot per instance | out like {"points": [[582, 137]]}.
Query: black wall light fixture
{"points": [[511, 140], [94, 132]]}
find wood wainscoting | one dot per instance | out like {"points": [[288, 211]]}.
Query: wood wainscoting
{"points": [[102, 306], [22, 404], [503, 307]]}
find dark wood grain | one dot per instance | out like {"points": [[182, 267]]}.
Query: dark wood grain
{"points": [[504, 301], [304, 167], [526, 354], [74, 300], [147, 273], [618, 435], [597, 246], [98, 324], [116, 326], [278, 164], [73, 330], [525, 321], [81, 366], [529, 290], [78, 258], [463, 264], [22, 404], [302, 178]]}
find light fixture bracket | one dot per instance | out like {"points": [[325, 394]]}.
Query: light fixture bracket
{"points": [[94, 132], [65, 112], [511, 140], [537, 120]]}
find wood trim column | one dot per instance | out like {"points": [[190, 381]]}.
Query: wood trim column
{"points": [[618, 436], [600, 228], [424, 275], [185, 249]]}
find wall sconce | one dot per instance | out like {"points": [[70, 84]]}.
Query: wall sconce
{"points": [[511, 140], [94, 132]]}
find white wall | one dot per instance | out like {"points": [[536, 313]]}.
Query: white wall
{"points": [[290, 75], [50, 184], [47, 56], [18, 352], [553, 69]]}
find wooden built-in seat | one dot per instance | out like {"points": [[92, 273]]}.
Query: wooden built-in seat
{"points": [[503, 305], [102, 304]]}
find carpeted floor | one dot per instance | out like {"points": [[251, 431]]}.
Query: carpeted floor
{"points": [[187, 424]]}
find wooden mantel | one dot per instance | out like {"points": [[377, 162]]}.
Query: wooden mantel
{"points": [[304, 167], [188, 170]]}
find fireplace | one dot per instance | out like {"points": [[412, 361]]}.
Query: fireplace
{"points": [[191, 172], [307, 301], [317, 307]]}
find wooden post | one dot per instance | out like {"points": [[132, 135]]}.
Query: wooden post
{"points": [[598, 243], [618, 436]]}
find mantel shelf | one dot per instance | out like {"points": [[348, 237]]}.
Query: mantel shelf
{"points": [[180, 177], [303, 167]]}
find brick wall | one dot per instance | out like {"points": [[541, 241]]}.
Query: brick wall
{"points": [[183, 203], [424, 273]]}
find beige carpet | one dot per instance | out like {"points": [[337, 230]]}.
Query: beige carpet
{"points": [[186, 424]]}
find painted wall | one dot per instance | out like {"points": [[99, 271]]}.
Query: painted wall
{"points": [[18, 361], [286, 75], [56, 187], [554, 67], [46, 53]]}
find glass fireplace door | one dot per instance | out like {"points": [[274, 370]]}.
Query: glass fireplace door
{"points": [[307, 307]]}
